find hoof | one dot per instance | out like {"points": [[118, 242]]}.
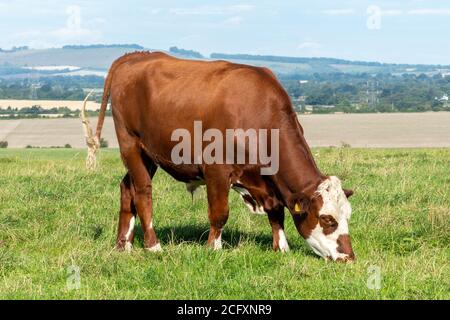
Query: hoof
{"points": [[284, 250], [128, 247], [124, 246], [155, 248], [281, 249]]}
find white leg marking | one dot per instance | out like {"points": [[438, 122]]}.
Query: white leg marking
{"points": [[282, 242], [130, 228], [128, 245], [218, 242], [156, 247]]}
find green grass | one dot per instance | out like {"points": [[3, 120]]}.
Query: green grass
{"points": [[54, 214]]}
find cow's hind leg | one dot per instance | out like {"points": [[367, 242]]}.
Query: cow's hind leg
{"points": [[125, 234], [217, 188], [141, 170], [276, 219]]}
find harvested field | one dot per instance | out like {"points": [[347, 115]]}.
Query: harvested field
{"points": [[382, 130], [48, 104], [393, 130]]}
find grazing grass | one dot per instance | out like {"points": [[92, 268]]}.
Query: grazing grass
{"points": [[54, 214]]}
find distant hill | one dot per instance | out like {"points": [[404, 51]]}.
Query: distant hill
{"points": [[185, 53], [101, 46], [23, 62], [300, 65], [93, 57], [15, 49]]}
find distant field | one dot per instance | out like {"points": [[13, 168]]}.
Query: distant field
{"points": [[54, 215], [388, 130], [48, 104]]}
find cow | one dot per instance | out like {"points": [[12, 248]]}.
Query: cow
{"points": [[154, 94]]}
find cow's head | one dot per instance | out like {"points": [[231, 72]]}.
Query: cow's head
{"points": [[322, 220]]}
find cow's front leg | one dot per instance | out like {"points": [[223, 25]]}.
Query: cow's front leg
{"points": [[276, 219], [125, 234], [217, 188]]}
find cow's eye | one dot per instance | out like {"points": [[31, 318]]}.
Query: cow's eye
{"points": [[328, 222]]}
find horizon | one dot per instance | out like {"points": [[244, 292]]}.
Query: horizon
{"points": [[208, 56], [400, 32]]}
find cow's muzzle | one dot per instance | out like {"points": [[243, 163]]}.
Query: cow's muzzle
{"points": [[345, 249], [346, 259]]}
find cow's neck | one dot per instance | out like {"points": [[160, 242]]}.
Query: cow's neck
{"points": [[298, 173]]}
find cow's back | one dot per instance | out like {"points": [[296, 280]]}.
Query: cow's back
{"points": [[200, 87], [155, 94]]}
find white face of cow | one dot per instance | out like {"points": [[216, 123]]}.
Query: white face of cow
{"points": [[328, 222]]}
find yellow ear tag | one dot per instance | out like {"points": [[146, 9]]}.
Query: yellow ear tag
{"points": [[298, 207]]}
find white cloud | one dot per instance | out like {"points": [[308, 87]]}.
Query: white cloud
{"points": [[66, 34], [392, 12], [155, 11], [241, 8], [234, 21], [423, 12], [212, 10], [309, 45], [74, 32], [74, 29], [27, 34], [339, 12]]}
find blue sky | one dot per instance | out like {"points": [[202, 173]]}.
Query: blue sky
{"points": [[400, 31]]}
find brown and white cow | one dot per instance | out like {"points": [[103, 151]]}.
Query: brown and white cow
{"points": [[154, 94]]}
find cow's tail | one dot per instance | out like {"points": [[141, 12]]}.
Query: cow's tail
{"points": [[93, 142]]}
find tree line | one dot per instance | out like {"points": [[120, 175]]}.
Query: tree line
{"points": [[368, 93], [333, 92]]}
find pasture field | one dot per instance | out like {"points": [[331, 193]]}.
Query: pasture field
{"points": [[54, 215]]}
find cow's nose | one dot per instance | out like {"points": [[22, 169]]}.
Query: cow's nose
{"points": [[347, 259]]}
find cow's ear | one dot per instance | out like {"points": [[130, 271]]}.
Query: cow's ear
{"points": [[301, 204], [348, 193]]}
